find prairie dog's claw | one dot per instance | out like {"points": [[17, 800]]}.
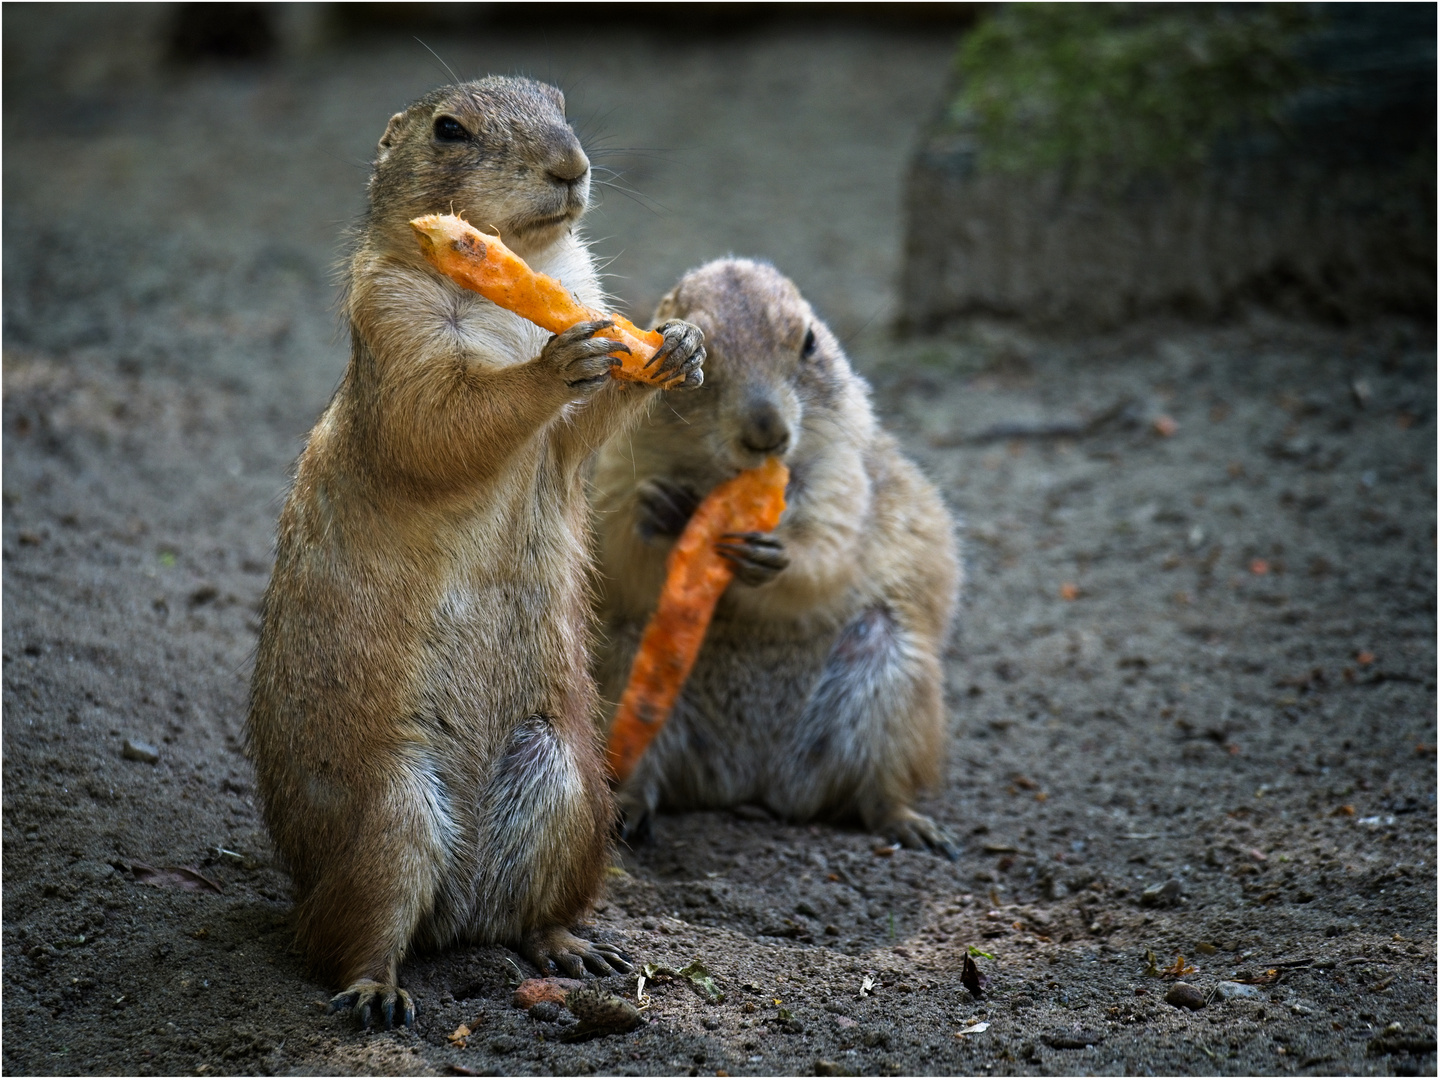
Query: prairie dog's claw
{"points": [[368, 1001]]}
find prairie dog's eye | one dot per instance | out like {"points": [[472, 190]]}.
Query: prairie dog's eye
{"points": [[807, 349], [448, 129]]}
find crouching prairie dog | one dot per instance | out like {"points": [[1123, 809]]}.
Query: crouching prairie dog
{"points": [[817, 692], [422, 717]]}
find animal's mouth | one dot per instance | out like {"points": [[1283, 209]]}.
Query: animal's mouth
{"points": [[565, 210], [548, 221], [744, 456]]}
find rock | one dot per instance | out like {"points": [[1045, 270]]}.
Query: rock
{"points": [[1230, 991], [1162, 895], [134, 750], [824, 1067], [1184, 996], [1350, 233], [600, 1011], [1396, 1040]]}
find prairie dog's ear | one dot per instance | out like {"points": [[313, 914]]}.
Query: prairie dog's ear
{"points": [[392, 132], [554, 94]]}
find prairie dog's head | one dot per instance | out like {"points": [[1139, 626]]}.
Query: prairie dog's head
{"points": [[776, 380], [499, 152]]}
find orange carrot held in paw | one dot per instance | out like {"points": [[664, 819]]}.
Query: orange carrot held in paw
{"points": [[695, 576], [483, 264]]}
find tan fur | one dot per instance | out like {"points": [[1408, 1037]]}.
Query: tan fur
{"points": [[422, 718], [818, 692]]}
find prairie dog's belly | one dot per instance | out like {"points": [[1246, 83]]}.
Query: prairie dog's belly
{"points": [[482, 667], [736, 716]]}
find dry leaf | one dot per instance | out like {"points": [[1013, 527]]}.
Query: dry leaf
{"points": [[174, 877], [1179, 969], [458, 1036]]}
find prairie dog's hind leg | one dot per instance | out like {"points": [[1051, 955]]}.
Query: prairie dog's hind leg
{"points": [[546, 824], [870, 735], [357, 919]]}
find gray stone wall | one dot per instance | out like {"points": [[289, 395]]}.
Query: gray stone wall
{"points": [[1336, 220]]}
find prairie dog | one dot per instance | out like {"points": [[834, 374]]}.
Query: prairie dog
{"points": [[422, 718], [817, 692]]}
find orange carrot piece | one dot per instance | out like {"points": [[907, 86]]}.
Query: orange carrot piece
{"points": [[695, 577], [483, 264]]}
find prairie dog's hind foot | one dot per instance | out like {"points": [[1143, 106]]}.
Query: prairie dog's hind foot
{"points": [[915, 830], [375, 1004], [571, 955], [637, 818]]}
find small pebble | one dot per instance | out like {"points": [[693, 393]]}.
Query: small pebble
{"points": [[1162, 895], [546, 1011], [134, 750], [1185, 996], [1229, 991]]}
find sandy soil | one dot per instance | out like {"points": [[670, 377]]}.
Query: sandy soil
{"points": [[1238, 695]]}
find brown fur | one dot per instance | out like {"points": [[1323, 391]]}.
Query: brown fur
{"points": [[421, 716], [818, 690]]}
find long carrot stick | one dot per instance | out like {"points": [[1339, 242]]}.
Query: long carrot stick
{"points": [[483, 264], [695, 576]]}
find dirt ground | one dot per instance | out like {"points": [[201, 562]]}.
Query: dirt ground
{"points": [[1198, 643]]}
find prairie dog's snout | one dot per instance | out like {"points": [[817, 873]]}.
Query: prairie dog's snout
{"points": [[567, 163], [760, 423]]}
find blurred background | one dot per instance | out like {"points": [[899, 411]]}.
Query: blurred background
{"points": [[178, 177]]}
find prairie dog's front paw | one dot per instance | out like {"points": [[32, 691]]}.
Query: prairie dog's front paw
{"points": [[583, 361], [756, 557], [662, 509], [677, 363]]}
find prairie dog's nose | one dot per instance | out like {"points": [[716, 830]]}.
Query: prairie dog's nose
{"points": [[764, 428], [568, 162]]}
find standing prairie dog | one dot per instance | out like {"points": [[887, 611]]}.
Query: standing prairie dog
{"points": [[422, 718], [817, 692]]}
